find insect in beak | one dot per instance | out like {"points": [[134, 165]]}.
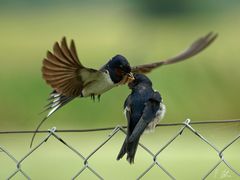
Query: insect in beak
{"points": [[127, 78], [130, 77]]}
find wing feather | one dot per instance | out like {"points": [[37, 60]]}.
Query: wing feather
{"points": [[196, 47], [66, 50], [73, 52], [148, 115], [58, 61], [63, 71], [58, 53]]}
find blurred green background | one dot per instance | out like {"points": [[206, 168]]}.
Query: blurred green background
{"points": [[203, 88]]}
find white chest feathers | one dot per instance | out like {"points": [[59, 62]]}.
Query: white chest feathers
{"points": [[98, 86], [159, 115]]}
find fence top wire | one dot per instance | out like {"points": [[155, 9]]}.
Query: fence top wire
{"points": [[112, 128]]}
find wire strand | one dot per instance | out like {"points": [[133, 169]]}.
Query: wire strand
{"points": [[111, 128]]}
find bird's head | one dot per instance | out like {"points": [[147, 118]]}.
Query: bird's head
{"points": [[140, 80], [119, 70]]}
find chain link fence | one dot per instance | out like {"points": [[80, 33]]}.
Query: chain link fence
{"points": [[185, 126]]}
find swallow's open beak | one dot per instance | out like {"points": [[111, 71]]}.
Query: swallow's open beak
{"points": [[130, 77], [127, 78]]}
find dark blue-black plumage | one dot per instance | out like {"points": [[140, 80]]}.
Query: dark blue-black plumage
{"points": [[143, 109], [113, 66]]}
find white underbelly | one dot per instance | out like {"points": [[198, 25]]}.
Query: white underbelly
{"points": [[159, 115], [99, 86]]}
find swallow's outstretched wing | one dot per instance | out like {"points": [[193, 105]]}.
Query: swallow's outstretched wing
{"points": [[63, 71], [196, 47]]}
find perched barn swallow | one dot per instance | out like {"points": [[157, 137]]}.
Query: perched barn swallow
{"points": [[143, 109], [69, 79]]}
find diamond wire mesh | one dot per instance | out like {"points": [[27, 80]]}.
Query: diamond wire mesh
{"points": [[121, 129]]}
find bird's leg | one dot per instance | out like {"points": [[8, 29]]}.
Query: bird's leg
{"points": [[98, 97], [93, 97]]}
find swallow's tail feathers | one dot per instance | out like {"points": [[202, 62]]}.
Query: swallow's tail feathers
{"points": [[123, 150], [56, 102], [130, 149]]}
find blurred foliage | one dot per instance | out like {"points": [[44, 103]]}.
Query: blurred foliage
{"points": [[205, 87], [184, 7], [150, 7], [166, 7]]}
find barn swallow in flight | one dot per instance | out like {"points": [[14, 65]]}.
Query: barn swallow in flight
{"points": [[69, 79], [143, 109]]}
